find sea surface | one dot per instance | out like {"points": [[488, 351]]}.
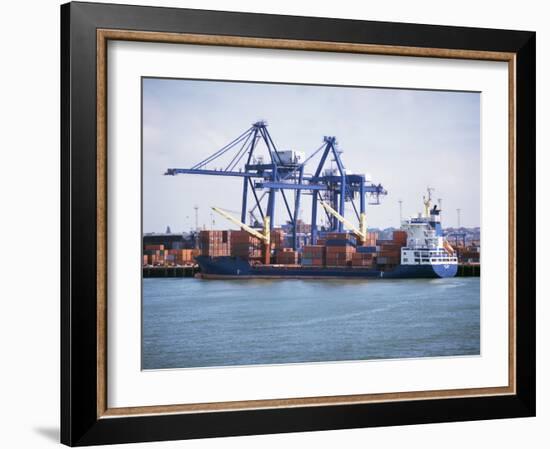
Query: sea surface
{"points": [[189, 322]]}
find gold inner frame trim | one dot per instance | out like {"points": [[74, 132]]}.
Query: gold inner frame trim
{"points": [[104, 35]]}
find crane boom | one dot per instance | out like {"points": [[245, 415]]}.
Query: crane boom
{"points": [[263, 236], [361, 233]]}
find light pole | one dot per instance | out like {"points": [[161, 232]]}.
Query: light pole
{"points": [[196, 217], [400, 212]]}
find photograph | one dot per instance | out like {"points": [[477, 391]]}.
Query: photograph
{"points": [[301, 223]]}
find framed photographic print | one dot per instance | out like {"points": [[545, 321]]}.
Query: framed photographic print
{"points": [[279, 224]]}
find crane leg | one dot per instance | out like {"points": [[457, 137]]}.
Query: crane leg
{"points": [[245, 196]]}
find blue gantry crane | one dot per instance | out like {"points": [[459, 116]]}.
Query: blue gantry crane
{"points": [[284, 171]]}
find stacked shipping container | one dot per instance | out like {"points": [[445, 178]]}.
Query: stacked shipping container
{"points": [[333, 249], [340, 247], [390, 250], [286, 256], [277, 238], [245, 246], [153, 255], [182, 256], [159, 255], [365, 255], [215, 243], [314, 255], [361, 259], [371, 239]]}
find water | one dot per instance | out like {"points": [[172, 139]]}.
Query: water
{"points": [[199, 323]]}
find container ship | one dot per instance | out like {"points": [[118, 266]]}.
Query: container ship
{"points": [[417, 250]]}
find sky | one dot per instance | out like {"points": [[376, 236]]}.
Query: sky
{"points": [[405, 139]]}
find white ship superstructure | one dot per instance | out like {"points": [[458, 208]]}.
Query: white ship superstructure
{"points": [[426, 244]]}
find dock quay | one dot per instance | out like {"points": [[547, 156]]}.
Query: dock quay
{"points": [[464, 270], [468, 270], [170, 271]]}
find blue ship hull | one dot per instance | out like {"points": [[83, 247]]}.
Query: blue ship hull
{"points": [[229, 267]]}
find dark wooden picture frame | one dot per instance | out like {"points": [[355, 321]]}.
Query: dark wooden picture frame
{"points": [[86, 29]]}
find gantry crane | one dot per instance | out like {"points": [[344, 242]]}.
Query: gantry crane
{"points": [[284, 171]]}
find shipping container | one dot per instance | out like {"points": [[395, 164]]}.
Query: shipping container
{"points": [[368, 249], [340, 242], [365, 256], [277, 238], [400, 237], [215, 243], [286, 256], [154, 247], [313, 262], [339, 236], [362, 260], [394, 254], [313, 250]]}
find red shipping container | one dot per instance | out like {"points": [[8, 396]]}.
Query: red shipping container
{"points": [[400, 237], [154, 247]]}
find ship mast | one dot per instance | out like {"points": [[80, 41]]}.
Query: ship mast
{"points": [[427, 201]]}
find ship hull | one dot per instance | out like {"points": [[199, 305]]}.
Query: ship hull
{"points": [[228, 267]]}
